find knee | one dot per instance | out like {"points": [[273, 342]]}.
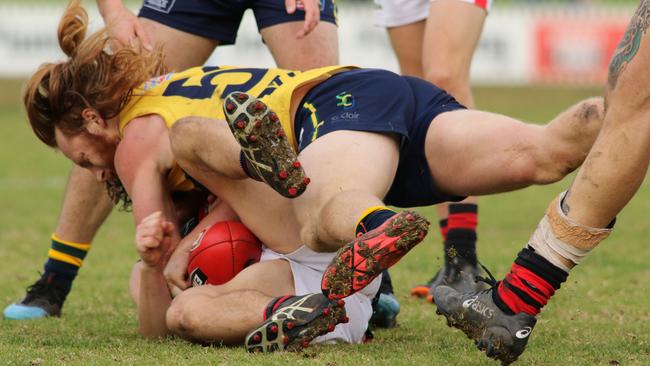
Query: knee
{"points": [[591, 110], [181, 135], [182, 318]]}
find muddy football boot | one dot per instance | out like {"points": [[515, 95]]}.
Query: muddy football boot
{"points": [[268, 153], [457, 273], [44, 298], [501, 336], [296, 323], [359, 262]]}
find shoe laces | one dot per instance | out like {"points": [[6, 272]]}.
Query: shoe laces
{"points": [[42, 288], [490, 280]]}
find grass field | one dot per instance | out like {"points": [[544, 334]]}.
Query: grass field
{"points": [[600, 317]]}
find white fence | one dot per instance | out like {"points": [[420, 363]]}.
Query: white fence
{"points": [[531, 44]]}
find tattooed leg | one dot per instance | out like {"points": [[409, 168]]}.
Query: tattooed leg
{"points": [[618, 161]]}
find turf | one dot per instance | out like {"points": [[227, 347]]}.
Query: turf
{"points": [[600, 317]]}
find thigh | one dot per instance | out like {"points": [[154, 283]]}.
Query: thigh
{"points": [[453, 29], [272, 278], [407, 43], [319, 48], [475, 152], [279, 29], [195, 49], [343, 161]]}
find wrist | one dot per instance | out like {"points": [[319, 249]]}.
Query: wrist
{"points": [[109, 7], [150, 269]]}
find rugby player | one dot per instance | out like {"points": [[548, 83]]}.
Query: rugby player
{"points": [[366, 137], [435, 41], [200, 27], [500, 320]]}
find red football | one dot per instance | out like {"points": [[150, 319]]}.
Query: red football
{"points": [[221, 251]]}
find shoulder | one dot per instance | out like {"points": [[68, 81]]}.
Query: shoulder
{"points": [[145, 142]]}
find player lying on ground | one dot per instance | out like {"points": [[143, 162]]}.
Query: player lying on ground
{"points": [[253, 296], [501, 319], [295, 38], [106, 112]]}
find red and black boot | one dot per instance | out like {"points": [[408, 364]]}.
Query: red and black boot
{"points": [[361, 261]]}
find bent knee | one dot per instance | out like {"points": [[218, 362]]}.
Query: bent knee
{"points": [[591, 110]]}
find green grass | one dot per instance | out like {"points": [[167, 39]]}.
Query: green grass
{"points": [[600, 315]]}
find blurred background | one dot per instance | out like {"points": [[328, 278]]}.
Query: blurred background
{"points": [[524, 41]]}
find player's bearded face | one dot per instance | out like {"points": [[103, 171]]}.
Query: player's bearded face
{"points": [[95, 152]]}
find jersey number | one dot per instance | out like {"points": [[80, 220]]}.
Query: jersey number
{"points": [[207, 88]]}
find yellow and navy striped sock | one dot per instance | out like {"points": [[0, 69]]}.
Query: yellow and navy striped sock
{"points": [[373, 218], [64, 260]]}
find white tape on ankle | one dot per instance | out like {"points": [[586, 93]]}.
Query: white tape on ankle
{"points": [[558, 238]]}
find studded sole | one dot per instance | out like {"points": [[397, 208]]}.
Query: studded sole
{"points": [[284, 334], [264, 143]]}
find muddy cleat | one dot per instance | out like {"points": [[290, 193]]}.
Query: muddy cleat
{"points": [[361, 261], [43, 299], [269, 155], [459, 275], [501, 336], [293, 326]]}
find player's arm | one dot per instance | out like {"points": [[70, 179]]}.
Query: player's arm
{"points": [[176, 269], [312, 14], [153, 241], [123, 26], [142, 161]]}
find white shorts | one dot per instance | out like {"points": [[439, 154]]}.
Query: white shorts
{"points": [[308, 267], [396, 13]]}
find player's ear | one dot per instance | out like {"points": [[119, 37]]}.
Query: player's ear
{"points": [[93, 122]]}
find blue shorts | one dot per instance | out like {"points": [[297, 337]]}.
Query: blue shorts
{"points": [[381, 101], [219, 19]]}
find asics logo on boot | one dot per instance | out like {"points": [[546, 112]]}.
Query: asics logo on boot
{"points": [[467, 303], [523, 333], [479, 307]]}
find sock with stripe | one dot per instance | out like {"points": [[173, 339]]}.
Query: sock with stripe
{"points": [[529, 285], [444, 228], [460, 236], [64, 260], [373, 218]]}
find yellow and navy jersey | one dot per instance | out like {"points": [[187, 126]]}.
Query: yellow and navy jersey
{"points": [[199, 92]]}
